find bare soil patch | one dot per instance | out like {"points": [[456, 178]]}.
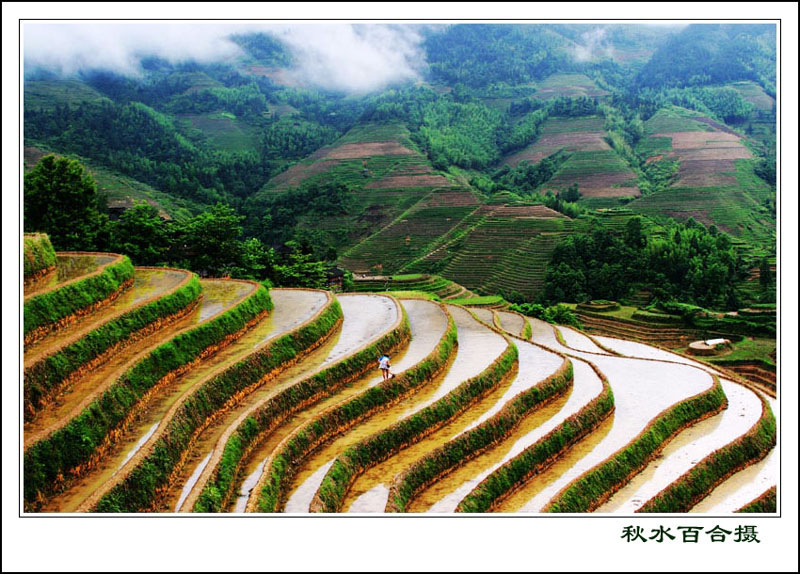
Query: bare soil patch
{"points": [[31, 156], [706, 173], [598, 184], [300, 172], [548, 144], [398, 181], [526, 212], [707, 158], [367, 149], [452, 199], [703, 140]]}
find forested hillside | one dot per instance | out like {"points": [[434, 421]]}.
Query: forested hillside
{"points": [[510, 146]]}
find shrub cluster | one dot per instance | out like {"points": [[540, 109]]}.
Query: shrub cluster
{"points": [[40, 256]]}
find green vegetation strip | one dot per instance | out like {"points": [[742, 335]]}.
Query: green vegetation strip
{"points": [[695, 484], [40, 257], [43, 312], [223, 390], [594, 487], [381, 445], [46, 377], [74, 448], [767, 502], [649, 317], [333, 422], [219, 489], [527, 331], [488, 300], [513, 474], [470, 444]]}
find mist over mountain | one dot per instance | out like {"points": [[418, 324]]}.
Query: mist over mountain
{"points": [[346, 57]]}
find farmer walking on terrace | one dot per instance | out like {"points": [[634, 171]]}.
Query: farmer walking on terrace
{"points": [[383, 364]]}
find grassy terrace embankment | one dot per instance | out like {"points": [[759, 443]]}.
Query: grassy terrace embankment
{"points": [[542, 447], [259, 358], [39, 257], [282, 466], [644, 407], [690, 446], [426, 418], [432, 284], [698, 482], [568, 85], [54, 307], [767, 502], [54, 366], [476, 440], [590, 490], [366, 319], [68, 448], [414, 234], [737, 438], [216, 486], [387, 177], [592, 163]]}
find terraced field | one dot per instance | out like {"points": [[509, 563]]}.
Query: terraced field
{"points": [[592, 164], [68, 268], [528, 235], [568, 85], [714, 183], [398, 204], [242, 401], [414, 234]]}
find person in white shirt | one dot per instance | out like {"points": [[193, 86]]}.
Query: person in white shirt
{"points": [[384, 366]]}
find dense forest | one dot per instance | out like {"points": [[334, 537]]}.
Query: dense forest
{"points": [[219, 135]]}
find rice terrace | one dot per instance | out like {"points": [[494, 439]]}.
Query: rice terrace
{"points": [[563, 236]]}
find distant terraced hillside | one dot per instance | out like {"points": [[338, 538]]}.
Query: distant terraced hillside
{"points": [[414, 234], [568, 85], [715, 183], [387, 177], [592, 164], [500, 249]]}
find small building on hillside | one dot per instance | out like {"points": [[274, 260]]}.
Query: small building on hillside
{"points": [[334, 277]]}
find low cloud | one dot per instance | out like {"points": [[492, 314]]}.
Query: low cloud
{"points": [[594, 45], [358, 57], [348, 57]]}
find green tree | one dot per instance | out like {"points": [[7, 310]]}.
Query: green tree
{"points": [[572, 194], [61, 200], [141, 234], [764, 274], [257, 261], [634, 235], [300, 269], [209, 243]]}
